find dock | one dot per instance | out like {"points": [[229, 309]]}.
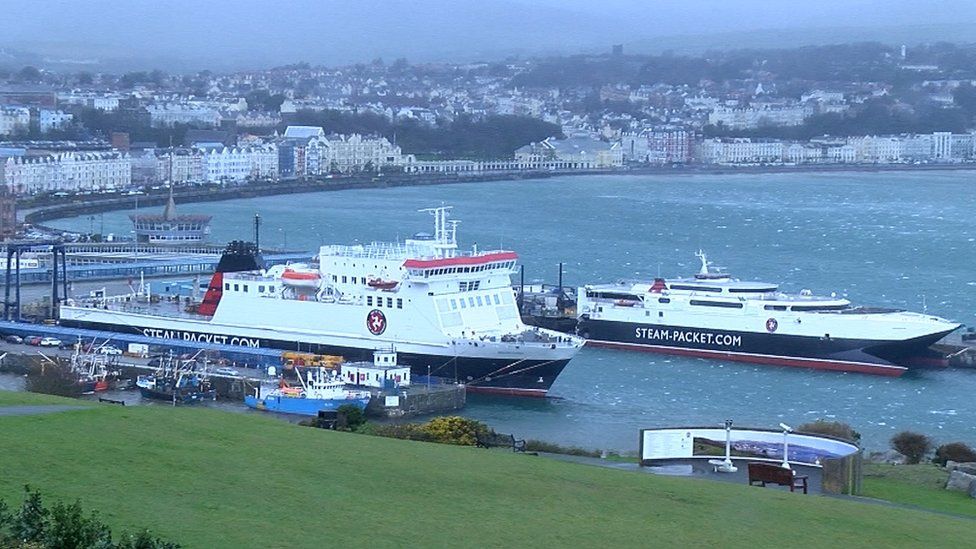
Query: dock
{"points": [[119, 261]]}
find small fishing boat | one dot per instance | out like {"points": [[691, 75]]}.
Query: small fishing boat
{"points": [[319, 390], [177, 383]]}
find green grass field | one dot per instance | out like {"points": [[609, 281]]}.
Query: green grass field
{"points": [[921, 485], [208, 478]]}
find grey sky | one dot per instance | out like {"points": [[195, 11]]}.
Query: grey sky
{"points": [[220, 34]]}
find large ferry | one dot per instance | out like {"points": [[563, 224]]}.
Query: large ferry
{"points": [[713, 315], [446, 312]]}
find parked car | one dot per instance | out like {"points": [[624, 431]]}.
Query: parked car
{"points": [[13, 339], [109, 350], [224, 370], [33, 340], [50, 342]]}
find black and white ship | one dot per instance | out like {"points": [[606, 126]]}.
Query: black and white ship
{"points": [[447, 312], [713, 315]]}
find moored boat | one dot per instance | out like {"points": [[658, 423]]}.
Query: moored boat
{"points": [[319, 390], [713, 315]]}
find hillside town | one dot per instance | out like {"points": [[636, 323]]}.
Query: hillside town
{"points": [[873, 105]]}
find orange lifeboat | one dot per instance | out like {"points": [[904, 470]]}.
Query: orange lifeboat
{"points": [[304, 279], [381, 284]]}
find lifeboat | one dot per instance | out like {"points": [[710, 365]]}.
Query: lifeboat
{"points": [[624, 303], [381, 284], [302, 279]]}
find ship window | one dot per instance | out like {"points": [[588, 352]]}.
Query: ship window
{"points": [[471, 301], [335, 278], [389, 302], [463, 305], [462, 286], [761, 290], [480, 303], [723, 304], [497, 301], [664, 300], [453, 304], [775, 307], [227, 286], [696, 288], [369, 300], [237, 287], [245, 288], [260, 289], [818, 308], [399, 303], [344, 279]]}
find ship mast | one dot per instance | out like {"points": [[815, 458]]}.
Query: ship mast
{"points": [[445, 232]]}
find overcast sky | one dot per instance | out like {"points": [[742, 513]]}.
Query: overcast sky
{"points": [[259, 33]]}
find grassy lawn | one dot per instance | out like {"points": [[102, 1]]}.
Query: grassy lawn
{"points": [[208, 478], [21, 398], [922, 485]]}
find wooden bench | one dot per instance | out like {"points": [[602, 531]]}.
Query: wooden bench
{"points": [[764, 473], [494, 440]]}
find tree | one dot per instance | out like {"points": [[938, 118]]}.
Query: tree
{"points": [[29, 74], [914, 446], [85, 78]]}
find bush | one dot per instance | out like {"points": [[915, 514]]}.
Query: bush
{"points": [[354, 417], [959, 452], [912, 445], [550, 448], [455, 430], [64, 527], [834, 429]]}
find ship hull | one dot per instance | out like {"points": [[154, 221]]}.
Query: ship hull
{"points": [[181, 398], [512, 375], [877, 357], [302, 406]]}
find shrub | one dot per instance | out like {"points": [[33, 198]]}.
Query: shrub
{"points": [[64, 527], [912, 445], [836, 429], [354, 416], [954, 451], [550, 448], [455, 430]]}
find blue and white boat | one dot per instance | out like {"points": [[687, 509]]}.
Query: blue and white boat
{"points": [[318, 391]]}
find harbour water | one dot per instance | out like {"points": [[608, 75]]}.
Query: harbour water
{"points": [[897, 239]]}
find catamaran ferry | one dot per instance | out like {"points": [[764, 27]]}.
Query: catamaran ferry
{"points": [[447, 313], [716, 316]]}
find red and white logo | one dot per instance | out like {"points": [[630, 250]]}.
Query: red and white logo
{"points": [[771, 325], [376, 322]]}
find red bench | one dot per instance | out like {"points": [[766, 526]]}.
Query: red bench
{"points": [[764, 473]]}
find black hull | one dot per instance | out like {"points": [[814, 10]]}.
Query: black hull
{"points": [[186, 397], [496, 376], [854, 355]]}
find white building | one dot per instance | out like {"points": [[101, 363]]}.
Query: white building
{"points": [[742, 150], [876, 150], [14, 120], [48, 119], [70, 171], [179, 166], [754, 117], [171, 114], [354, 153], [233, 164]]}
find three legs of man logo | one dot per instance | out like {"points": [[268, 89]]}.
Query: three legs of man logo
{"points": [[376, 322], [771, 325]]}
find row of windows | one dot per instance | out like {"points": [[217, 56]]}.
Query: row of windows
{"points": [[723, 304], [379, 302], [455, 270], [469, 286], [476, 301], [244, 287]]}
